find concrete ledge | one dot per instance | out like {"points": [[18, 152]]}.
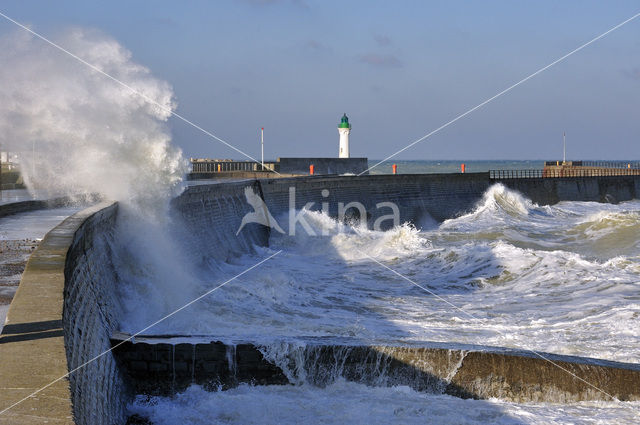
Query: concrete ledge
{"points": [[32, 349], [165, 365]]}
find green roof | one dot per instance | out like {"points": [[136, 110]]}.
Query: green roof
{"points": [[344, 122]]}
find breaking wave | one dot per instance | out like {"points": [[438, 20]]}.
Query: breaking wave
{"points": [[78, 132]]}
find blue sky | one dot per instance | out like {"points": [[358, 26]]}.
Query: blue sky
{"points": [[398, 69]]}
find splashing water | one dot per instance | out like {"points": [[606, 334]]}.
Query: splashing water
{"points": [[76, 131], [348, 402]]}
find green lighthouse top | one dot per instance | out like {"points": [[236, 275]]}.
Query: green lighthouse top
{"points": [[344, 122]]}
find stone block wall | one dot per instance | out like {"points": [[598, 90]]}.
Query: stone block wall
{"points": [[59, 321], [162, 367], [214, 213], [206, 219], [99, 392]]}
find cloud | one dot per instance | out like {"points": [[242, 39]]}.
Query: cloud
{"points": [[381, 61], [382, 40]]}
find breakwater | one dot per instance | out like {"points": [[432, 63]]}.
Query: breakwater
{"points": [[167, 365], [217, 210], [60, 318], [90, 315], [66, 310]]}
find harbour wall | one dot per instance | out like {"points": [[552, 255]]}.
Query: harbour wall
{"points": [[213, 213], [442, 196], [216, 210], [549, 191], [165, 366], [59, 320], [99, 390]]}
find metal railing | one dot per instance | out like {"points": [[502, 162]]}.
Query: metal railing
{"points": [[515, 174], [213, 166], [559, 173]]}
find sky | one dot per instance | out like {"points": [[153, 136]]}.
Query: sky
{"points": [[398, 69]]}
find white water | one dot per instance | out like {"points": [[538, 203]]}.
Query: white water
{"points": [[348, 402], [562, 279], [78, 132]]}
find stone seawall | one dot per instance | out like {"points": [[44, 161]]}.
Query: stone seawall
{"points": [[216, 210], [164, 366], [441, 196], [91, 310], [213, 213], [60, 318], [548, 191]]}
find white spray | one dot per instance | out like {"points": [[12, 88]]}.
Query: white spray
{"points": [[76, 131]]}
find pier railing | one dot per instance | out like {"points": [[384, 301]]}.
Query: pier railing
{"points": [[559, 173], [223, 166], [515, 174]]}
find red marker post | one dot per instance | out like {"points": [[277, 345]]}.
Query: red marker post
{"points": [[311, 169], [462, 167], [394, 169]]}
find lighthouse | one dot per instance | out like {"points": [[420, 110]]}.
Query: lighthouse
{"points": [[344, 128]]}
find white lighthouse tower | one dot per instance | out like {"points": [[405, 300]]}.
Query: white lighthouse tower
{"points": [[344, 128]]}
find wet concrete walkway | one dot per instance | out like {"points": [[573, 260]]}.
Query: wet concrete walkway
{"points": [[20, 234]]}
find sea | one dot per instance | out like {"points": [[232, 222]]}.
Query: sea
{"points": [[563, 279]]}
